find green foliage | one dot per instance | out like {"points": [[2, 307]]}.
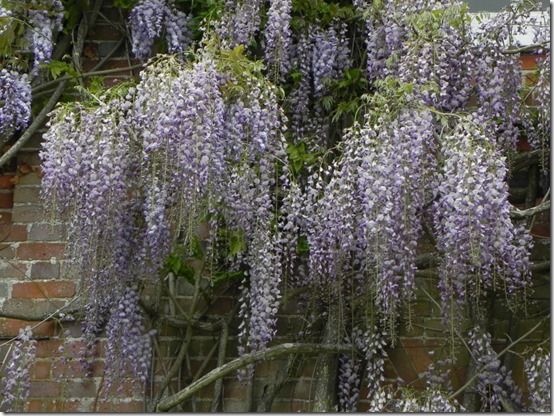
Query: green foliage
{"points": [[299, 157], [57, 68], [180, 268], [319, 11]]}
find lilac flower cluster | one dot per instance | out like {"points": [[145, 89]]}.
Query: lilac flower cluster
{"points": [[494, 383], [480, 246], [428, 401], [320, 55], [17, 381], [368, 214], [149, 18], [135, 173], [44, 23], [349, 374], [15, 99], [278, 36], [129, 349], [373, 347], [498, 84], [537, 371], [240, 22]]}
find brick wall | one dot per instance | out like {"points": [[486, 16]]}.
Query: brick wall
{"points": [[34, 283]]}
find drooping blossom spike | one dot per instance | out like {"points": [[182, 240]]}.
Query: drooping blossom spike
{"points": [[537, 372], [15, 101], [146, 23], [129, 348], [16, 380], [481, 247], [278, 36], [494, 383]]}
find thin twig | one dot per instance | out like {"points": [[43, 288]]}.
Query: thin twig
{"points": [[501, 353]]}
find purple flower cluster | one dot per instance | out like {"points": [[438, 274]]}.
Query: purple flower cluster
{"points": [[278, 36], [149, 18], [428, 401], [480, 246], [350, 372], [15, 101], [129, 349], [44, 23], [135, 173], [320, 55], [494, 383], [366, 211], [537, 371], [17, 381], [240, 22]]}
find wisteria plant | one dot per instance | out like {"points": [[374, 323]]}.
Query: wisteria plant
{"points": [[344, 154]]}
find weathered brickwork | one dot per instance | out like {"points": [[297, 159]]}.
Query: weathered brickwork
{"points": [[35, 282]]}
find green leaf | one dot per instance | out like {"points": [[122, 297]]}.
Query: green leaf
{"points": [[302, 246], [237, 243], [57, 68]]}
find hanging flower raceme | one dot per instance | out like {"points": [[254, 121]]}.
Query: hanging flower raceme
{"points": [[16, 380], [537, 372], [44, 23], [494, 383], [480, 246], [240, 22], [128, 349], [136, 173], [149, 18], [321, 55], [367, 217], [15, 101], [278, 36]]}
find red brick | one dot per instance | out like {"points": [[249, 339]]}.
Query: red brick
{"points": [[6, 199], [37, 290], [32, 178], [40, 251], [45, 389], [12, 269], [28, 213], [72, 368], [40, 370], [85, 388], [135, 406], [10, 232], [10, 327], [5, 217], [6, 181], [530, 61], [45, 270], [46, 232], [7, 251], [48, 348], [26, 194]]}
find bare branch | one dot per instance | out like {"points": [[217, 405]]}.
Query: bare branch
{"points": [[524, 213], [268, 354], [501, 353]]}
